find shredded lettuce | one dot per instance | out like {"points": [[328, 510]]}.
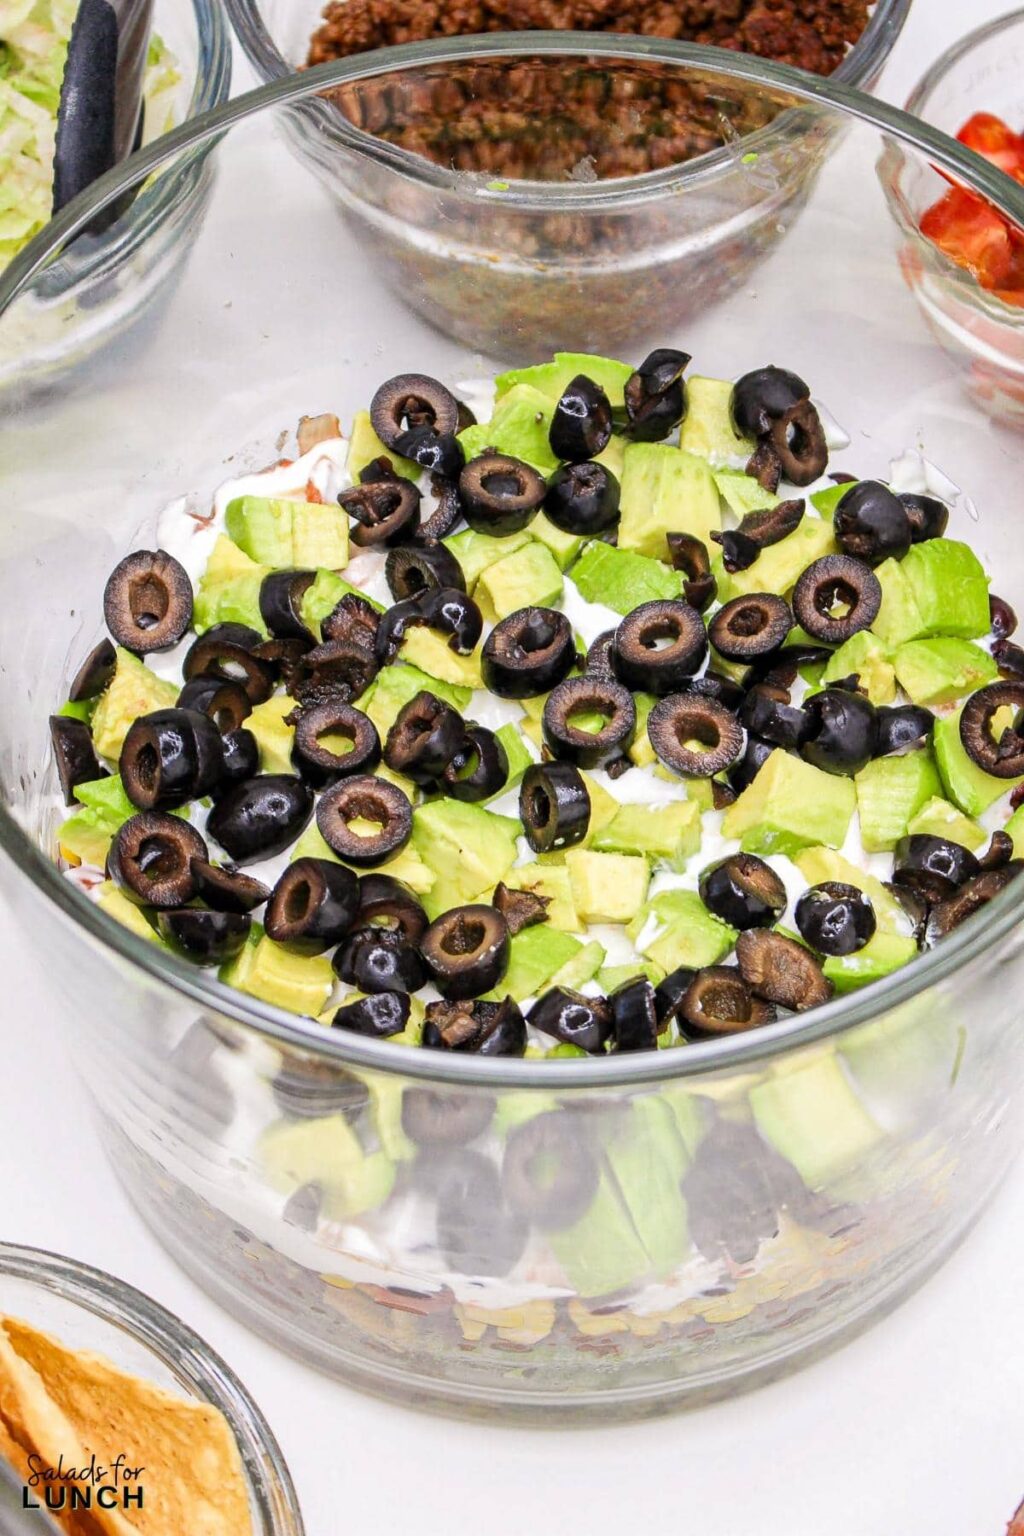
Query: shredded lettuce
{"points": [[33, 48]]}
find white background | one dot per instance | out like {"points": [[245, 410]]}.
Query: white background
{"points": [[916, 1429]]}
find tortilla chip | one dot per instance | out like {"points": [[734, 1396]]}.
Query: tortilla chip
{"points": [[193, 1479]]}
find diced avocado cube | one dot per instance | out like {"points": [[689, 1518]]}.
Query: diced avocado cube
{"points": [[300, 983], [621, 579], [364, 446], [820, 865], [580, 968], [396, 685], [942, 670], [551, 378], [323, 595], [289, 534], [612, 976], [777, 568], [939, 588], [469, 849], [613, 455], [1015, 828], [77, 709], [967, 785], [742, 493], [791, 805], [552, 881], [535, 955], [938, 818], [106, 798], [865, 655], [675, 928], [274, 736], [518, 753], [85, 837], [477, 552], [641, 752], [708, 428], [326, 1152], [603, 807], [884, 952], [813, 1117], [519, 426], [668, 832], [133, 690], [825, 502], [602, 1252], [890, 791], [648, 1158], [527, 577], [607, 887], [899, 618], [665, 490], [430, 651], [564, 547], [117, 905], [229, 589]]}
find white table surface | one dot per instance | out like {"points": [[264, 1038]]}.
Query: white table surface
{"points": [[916, 1429]]}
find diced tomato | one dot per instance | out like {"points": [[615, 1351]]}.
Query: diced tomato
{"points": [[988, 135], [972, 234]]}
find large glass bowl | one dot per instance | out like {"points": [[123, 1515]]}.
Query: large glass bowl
{"points": [[553, 258], [759, 1198]]}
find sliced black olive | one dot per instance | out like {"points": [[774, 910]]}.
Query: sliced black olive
{"points": [[380, 960], [227, 890], [750, 626], [713, 685], [227, 704], [902, 727], [871, 524], [842, 731], [500, 494], [913, 905], [835, 597], [284, 657], [755, 754], [452, 613], [379, 1015], [151, 857], [946, 915], [281, 594], [589, 695], [634, 1017], [412, 569], [313, 906], [581, 423], [928, 516], [1003, 758], [352, 620], [999, 851], [1002, 619], [835, 918], [466, 951], [520, 909], [479, 770], [444, 516], [74, 754], [695, 736], [205, 938], [334, 740], [767, 713], [528, 653], [226, 651], [781, 970], [765, 396], [385, 511], [781, 668], [554, 806], [147, 602], [439, 453], [1009, 658], [260, 817], [433, 1118], [758, 530], [722, 795], [338, 668], [95, 672], [765, 466], [412, 400], [240, 759], [738, 551], [385, 902], [364, 799], [476, 1232], [655, 395], [932, 867], [550, 1172], [719, 1002], [669, 994], [599, 656], [659, 646], [743, 891], [477, 1028], [170, 757], [690, 555], [380, 468], [583, 499], [426, 736], [798, 440], [573, 1019]]}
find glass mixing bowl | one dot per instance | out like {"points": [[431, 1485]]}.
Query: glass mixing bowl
{"points": [[729, 1208], [554, 257]]}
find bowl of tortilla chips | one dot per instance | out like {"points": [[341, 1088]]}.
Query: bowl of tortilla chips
{"points": [[115, 1418]]}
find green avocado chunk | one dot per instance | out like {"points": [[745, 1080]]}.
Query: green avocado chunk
{"points": [[612, 976], [665, 490], [621, 579], [777, 568], [564, 547], [864, 655], [477, 552], [648, 1159], [812, 1115], [528, 577], [819, 865], [551, 881], [535, 955], [938, 818], [890, 791], [669, 832], [607, 887], [791, 805], [1015, 828], [124, 911], [519, 427], [289, 534], [939, 588], [967, 785], [364, 446], [551, 378], [133, 690], [300, 983], [940, 671], [396, 685], [884, 952], [274, 736], [229, 589], [675, 928], [518, 754], [580, 968], [742, 493], [707, 428], [826, 501], [469, 849]]}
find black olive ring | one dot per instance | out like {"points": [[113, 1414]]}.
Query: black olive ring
{"points": [[832, 580], [364, 799], [500, 494], [576, 696], [686, 717], [641, 664], [528, 653], [554, 806], [750, 626], [151, 856], [319, 764], [1004, 759], [466, 951]]}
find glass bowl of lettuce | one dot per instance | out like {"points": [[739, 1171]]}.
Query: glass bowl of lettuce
{"points": [[102, 283]]}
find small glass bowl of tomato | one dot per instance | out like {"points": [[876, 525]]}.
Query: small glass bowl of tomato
{"points": [[961, 253]]}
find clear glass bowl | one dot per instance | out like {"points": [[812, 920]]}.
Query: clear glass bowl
{"points": [[758, 1198], [983, 72], [101, 286], [557, 257], [89, 1310]]}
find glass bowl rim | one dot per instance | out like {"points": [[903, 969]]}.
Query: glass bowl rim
{"points": [[186, 1355], [953, 55], [974, 938]]}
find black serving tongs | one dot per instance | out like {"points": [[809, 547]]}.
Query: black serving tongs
{"points": [[99, 119]]}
